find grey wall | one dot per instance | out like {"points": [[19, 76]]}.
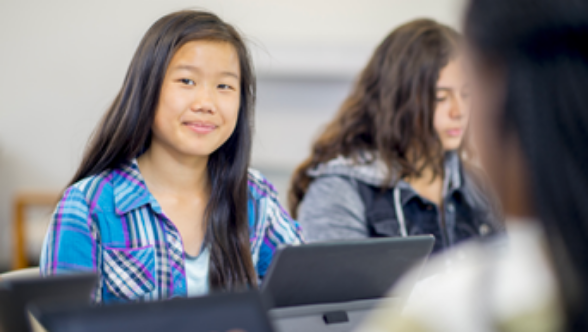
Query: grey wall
{"points": [[61, 63]]}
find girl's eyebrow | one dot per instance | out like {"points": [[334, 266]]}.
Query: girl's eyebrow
{"points": [[195, 69], [230, 73], [186, 67], [450, 88]]}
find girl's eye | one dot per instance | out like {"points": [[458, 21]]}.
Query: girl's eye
{"points": [[441, 96], [441, 99], [187, 81], [225, 87]]}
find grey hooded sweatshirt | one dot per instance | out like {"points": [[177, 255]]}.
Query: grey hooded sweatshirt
{"points": [[334, 207]]}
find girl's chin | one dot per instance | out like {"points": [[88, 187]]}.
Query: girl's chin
{"points": [[199, 154], [452, 146], [199, 149], [195, 153]]}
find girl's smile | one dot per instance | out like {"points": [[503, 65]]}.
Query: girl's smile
{"points": [[201, 127], [456, 132]]}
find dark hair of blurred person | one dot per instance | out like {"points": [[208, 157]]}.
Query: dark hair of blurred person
{"points": [[537, 52], [529, 61]]}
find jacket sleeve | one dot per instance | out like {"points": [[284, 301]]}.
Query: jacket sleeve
{"points": [[69, 243], [332, 209]]}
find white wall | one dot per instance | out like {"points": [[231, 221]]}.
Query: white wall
{"points": [[61, 63]]}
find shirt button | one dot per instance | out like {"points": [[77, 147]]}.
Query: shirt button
{"points": [[450, 207]]}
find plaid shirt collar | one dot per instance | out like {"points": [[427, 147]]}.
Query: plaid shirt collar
{"points": [[128, 179]]}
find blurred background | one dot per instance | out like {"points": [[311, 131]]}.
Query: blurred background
{"points": [[62, 62]]}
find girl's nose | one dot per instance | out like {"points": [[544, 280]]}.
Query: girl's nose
{"points": [[203, 101]]}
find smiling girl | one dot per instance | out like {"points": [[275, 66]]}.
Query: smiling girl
{"points": [[163, 203], [391, 163]]}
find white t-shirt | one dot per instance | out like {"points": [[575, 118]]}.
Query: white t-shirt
{"points": [[197, 273]]}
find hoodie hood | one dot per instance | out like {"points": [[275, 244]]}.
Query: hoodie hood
{"points": [[374, 173]]}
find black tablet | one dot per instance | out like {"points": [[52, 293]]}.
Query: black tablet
{"points": [[238, 312], [333, 272], [18, 293]]}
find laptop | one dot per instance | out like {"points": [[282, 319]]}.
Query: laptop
{"points": [[16, 294], [4, 314], [337, 272], [235, 312]]}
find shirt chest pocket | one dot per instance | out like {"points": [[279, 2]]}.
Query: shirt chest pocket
{"points": [[129, 272]]}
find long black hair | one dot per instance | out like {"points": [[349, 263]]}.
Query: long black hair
{"points": [[125, 132], [541, 46]]}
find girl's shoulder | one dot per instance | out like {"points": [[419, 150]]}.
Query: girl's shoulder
{"points": [[259, 186], [125, 176], [88, 186], [89, 182], [102, 188], [268, 214]]}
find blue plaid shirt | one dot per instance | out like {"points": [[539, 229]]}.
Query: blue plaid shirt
{"points": [[111, 224]]}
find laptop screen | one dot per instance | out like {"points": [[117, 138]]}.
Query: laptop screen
{"points": [[334, 272], [18, 293], [242, 312]]}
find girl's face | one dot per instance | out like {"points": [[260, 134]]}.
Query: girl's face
{"points": [[200, 96], [452, 111]]}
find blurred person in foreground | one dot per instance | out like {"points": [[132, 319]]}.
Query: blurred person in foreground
{"points": [[529, 61]]}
